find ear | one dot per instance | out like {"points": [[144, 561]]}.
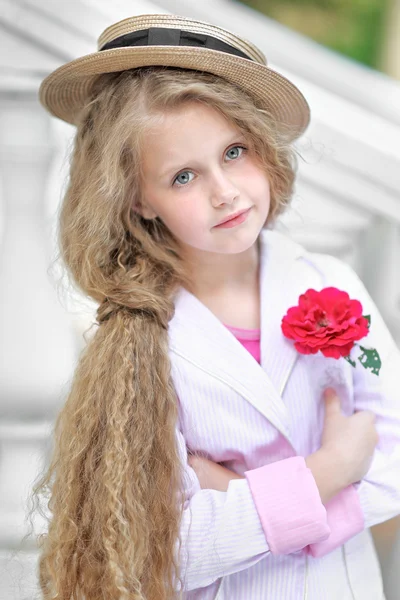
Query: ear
{"points": [[144, 210]]}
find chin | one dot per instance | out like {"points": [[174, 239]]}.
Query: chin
{"points": [[237, 245]]}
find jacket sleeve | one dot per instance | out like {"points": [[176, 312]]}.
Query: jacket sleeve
{"points": [[376, 498], [276, 509]]}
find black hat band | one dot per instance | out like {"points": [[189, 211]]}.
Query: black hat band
{"points": [[165, 36]]}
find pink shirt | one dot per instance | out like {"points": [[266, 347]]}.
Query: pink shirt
{"points": [[249, 338]]}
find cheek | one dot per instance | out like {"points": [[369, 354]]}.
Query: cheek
{"points": [[183, 218], [254, 179], [177, 213], [259, 191]]}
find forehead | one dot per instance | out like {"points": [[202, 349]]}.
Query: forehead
{"points": [[177, 134], [194, 113]]}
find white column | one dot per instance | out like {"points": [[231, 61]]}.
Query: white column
{"points": [[37, 346], [380, 249]]}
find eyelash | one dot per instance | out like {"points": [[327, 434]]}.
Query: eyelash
{"points": [[230, 148]]}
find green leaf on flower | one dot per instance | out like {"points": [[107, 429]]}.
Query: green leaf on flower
{"points": [[368, 317], [352, 362], [370, 359]]}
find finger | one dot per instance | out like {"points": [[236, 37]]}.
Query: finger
{"points": [[365, 415], [332, 401]]}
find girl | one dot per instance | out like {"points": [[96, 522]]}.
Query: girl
{"points": [[177, 177]]}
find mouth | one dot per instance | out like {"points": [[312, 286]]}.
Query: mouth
{"points": [[235, 219]]}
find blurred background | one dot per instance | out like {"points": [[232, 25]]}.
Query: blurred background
{"points": [[345, 57], [366, 31]]}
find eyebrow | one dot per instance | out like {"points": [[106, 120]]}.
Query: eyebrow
{"points": [[240, 138]]}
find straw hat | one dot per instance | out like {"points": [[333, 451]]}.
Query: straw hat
{"points": [[174, 41]]}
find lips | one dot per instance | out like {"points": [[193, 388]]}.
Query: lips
{"points": [[232, 217]]}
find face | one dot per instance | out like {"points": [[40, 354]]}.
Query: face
{"points": [[197, 173]]}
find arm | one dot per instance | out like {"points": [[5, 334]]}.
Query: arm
{"points": [[379, 490], [226, 532], [324, 467], [211, 475], [344, 458], [376, 498]]}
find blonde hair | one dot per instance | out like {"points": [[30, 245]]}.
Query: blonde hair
{"points": [[115, 481]]}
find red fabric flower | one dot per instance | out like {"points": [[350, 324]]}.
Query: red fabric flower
{"points": [[327, 321]]}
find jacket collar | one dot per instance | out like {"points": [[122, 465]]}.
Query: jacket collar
{"points": [[197, 335]]}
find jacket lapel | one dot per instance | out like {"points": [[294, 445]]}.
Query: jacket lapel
{"points": [[285, 275], [198, 336]]}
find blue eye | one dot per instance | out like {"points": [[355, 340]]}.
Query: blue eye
{"points": [[184, 178], [235, 152]]}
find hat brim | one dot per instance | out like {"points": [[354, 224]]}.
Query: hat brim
{"points": [[66, 91]]}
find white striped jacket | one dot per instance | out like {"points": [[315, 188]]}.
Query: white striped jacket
{"points": [[269, 536]]}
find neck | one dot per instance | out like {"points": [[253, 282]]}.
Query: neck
{"points": [[218, 272]]}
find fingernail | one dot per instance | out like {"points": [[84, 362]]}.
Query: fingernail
{"points": [[329, 392]]}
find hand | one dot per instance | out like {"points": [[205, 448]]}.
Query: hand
{"points": [[348, 445], [212, 475], [351, 439]]}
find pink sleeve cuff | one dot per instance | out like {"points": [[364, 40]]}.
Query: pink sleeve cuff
{"points": [[289, 505], [345, 519]]}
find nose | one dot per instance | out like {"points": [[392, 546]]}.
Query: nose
{"points": [[223, 191]]}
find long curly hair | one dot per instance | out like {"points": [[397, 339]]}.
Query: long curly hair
{"points": [[114, 483]]}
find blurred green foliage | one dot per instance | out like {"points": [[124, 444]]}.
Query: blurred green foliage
{"points": [[354, 28]]}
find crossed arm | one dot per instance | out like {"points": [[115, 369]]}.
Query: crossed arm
{"points": [[212, 475]]}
